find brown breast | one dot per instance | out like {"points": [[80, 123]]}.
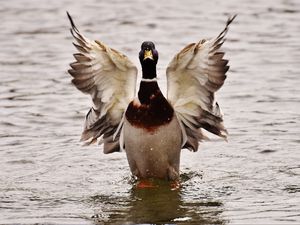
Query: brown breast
{"points": [[154, 112]]}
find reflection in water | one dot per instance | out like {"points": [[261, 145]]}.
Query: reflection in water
{"points": [[159, 205], [154, 205]]}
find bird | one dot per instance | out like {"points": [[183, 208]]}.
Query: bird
{"points": [[152, 129]]}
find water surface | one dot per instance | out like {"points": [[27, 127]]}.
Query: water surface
{"points": [[47, 177]]}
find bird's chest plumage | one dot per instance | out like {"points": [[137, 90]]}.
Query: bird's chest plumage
{"points": [[152, 135], [151, 112]]}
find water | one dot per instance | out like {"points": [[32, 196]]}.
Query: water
{"points": [[47, 177]]}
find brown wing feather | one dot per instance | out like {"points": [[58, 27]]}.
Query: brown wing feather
{"points": [[110, 78], [194, 75]]}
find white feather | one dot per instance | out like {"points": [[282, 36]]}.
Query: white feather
{"points": [[193, 76]]}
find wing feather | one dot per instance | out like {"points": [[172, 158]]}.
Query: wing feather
{"points": [[193, 76], [110, 78]]}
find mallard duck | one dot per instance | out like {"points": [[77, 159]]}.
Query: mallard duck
{"points": [[150, 128]]}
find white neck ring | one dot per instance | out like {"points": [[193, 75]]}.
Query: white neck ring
{"points": [[149, 80]]}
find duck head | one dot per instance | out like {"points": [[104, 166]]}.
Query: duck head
{"points": [[148, 57]]}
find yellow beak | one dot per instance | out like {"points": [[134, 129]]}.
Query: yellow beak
{"points": [[148, 54]]}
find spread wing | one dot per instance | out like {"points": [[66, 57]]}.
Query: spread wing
{"points": [[110, 78], [193, 76]]}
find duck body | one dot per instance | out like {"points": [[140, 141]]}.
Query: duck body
{"points": [[152, 135], [151, 129], [155, 153]]}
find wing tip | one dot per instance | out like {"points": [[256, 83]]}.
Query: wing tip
{"points": [[230, 19], [74, 30], [71, 20], [223, 33]]}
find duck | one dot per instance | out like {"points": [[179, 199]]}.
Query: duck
{"points": [[152, 129]]}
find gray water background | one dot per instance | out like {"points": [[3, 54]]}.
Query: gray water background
{"points": [[47, 177]]}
